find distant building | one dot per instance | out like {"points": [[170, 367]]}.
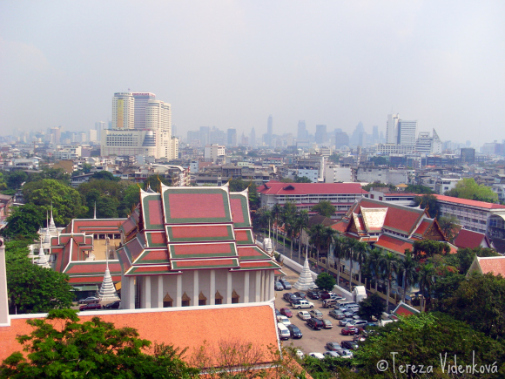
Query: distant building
{"points": [[214, 152], [392, 128], [426, 145], [407, 133], [232, 137], [467, 155], [123, 111], [321, 134]]}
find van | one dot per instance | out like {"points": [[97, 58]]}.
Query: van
{"points": [[329, 303], [284, 332]]}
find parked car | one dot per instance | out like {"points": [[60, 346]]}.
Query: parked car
{"points": [[90, 306], [295, 331], [304, 315], [316, 313], [345, 321], [284, 333], [285, 284], [334, 296], [283, 320], [287, 296], [328, 303], [336, 314], [333, 346], [312, 294], [303, 304], [349, 314], [88, 300], [113, 305], [323, 295], [301, 295], [357, 322], [351, 345], [315, 324], [277, 312], [349, 331], [346, 354], [286, 312], [331, 354], [316, 355], [327, 324], [278, 286], [294, 300], [299, 354]]}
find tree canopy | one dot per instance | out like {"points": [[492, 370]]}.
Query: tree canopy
{"points": [[428, 201], [31, 288], [467, 188], [372, 306], [324, 208], [325, 281], [91, 349], [24, 222]]}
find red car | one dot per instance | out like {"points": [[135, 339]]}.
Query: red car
{"points": [[286, 312], [91, 306], [349, 330]]}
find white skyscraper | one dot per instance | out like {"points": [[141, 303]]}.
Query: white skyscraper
{"points": [[407, 132], [141, 101], [123, 111], [392, 128], [158, 118]]}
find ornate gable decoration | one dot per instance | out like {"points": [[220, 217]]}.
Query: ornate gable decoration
{"points": [[374, 218]]}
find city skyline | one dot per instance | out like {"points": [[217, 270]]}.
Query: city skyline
{"points": [[326, 63]]}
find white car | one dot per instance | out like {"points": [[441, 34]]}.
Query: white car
{"points": [[316, 355], [346, 354], [331, 354], [302, 304], [304, 315], [283, 320], [299, 354]]}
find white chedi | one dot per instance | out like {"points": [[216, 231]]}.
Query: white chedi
{"points": [[305, 281]]}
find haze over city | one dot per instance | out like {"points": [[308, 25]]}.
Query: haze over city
{"points": [[232, 64]]}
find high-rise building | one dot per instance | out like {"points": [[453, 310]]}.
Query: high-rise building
{"points": [[141, 101], [270, 129], [428, 145], [407, 132], [302, 133], [468, 155], [341, 138], [321, 134], [392, 128], [232, 137], [123, 111], [252, 138], [99, 126], [158, 117]]}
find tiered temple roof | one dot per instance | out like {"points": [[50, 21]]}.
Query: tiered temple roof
{"points": [[388, 226], [188, 228]]}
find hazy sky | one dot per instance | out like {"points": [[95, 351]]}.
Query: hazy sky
{"points": [[230, 64]]}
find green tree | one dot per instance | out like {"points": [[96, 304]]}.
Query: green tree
{"points": [[362, 250], [467, 188], [105, 175], [317, 238], [350, 246], [371, 307], [418, 188], [24, 222], [374, 262], [289, 219], [131, 197], [427, 248], [325, 281], [31, 288], [479, 302], [324, 208], [50, 173], [15, 179], [428, 201], [408, 269], [448, 226], [426, 279], [389, 266], [424, 339], [302, 179], [335, 158], [301, 224], [66, 201], [91, 349], [339, 253]]}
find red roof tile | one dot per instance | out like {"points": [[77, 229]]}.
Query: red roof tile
{"points": [[394, 244], [92, 279], [493, 265], [400, 218], [196, 205], [202, 250], [200, 232], [472, 203], [205, 263], [236, 210], [469, 239], [423, 227], [277, 188], [180, 328]]}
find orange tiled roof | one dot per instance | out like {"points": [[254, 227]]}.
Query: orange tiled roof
{"points": [[394, 244], [182, 328], [493, 265], [472, 203]]}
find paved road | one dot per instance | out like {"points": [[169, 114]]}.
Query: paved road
{"points": [[312, 340]]}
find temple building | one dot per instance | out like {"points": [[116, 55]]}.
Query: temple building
{"points": [[388, 226], [192, 246]]}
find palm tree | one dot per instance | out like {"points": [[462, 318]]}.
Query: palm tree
{"points": [[339, 253], [375, 258], [389, 264], [302, 221], [362, 250], [317, 238], [408, 266], [350, 245], [276, 211], [287, 217], [328, 236], [426, 279]]}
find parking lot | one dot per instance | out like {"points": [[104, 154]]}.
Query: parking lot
{"points": [[312, 340]]}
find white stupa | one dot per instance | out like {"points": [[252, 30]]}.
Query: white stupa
{"points": [[107, 291], [305, 281], [42, 261]]}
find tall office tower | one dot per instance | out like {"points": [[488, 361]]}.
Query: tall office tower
{"points": [[341, 138], [204, 136], [93, 135], [407, 133], [270, 129], [375, 134], [358, 137], [468, 155], [231, 137], [158, 118], [392, 128], [99, 126], [252, 138], [302, 133], [321, 135], [140, 105], [55, 135], [123, 111]]}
